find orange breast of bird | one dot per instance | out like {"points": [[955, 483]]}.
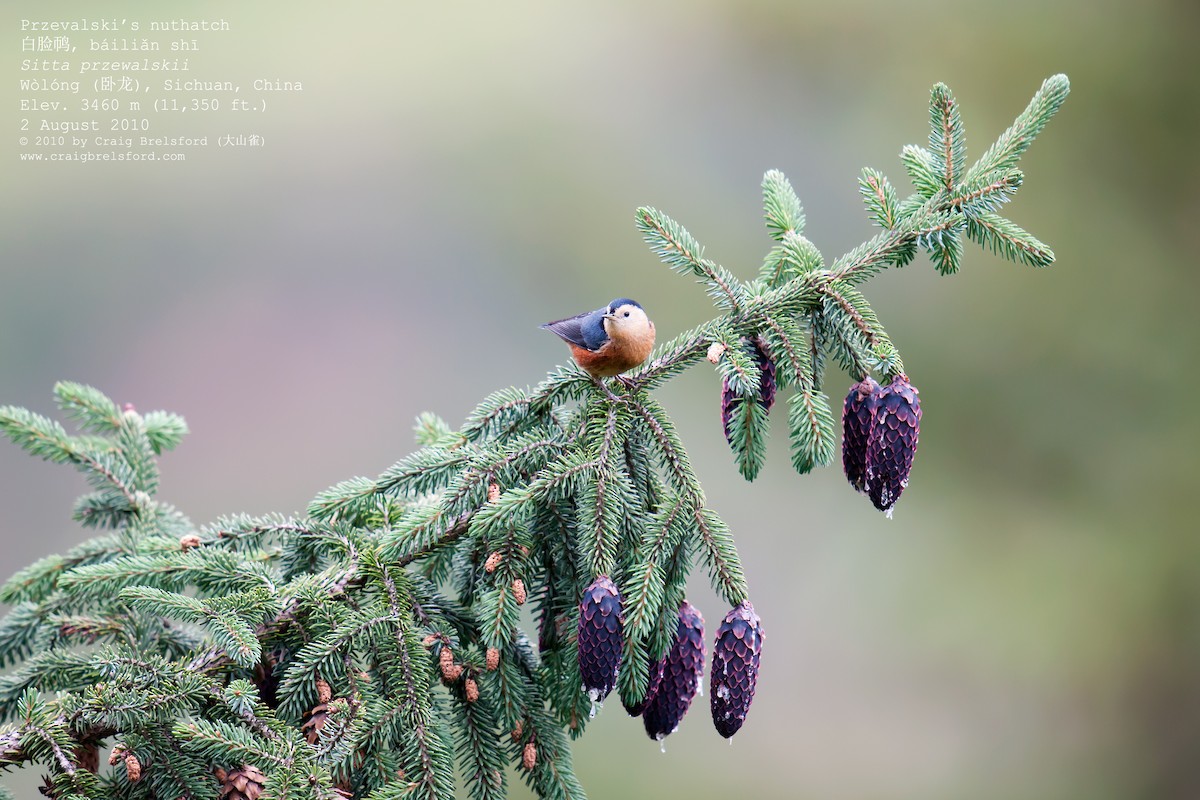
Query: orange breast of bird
{"points": [[614, 356]]}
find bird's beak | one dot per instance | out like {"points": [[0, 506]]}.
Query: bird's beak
{"points": [[609, 315]]}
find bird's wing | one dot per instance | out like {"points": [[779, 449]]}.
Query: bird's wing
{"points": [[582, 330]]}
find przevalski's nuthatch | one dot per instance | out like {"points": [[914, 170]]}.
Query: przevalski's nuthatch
{"points": [[609, 340]]}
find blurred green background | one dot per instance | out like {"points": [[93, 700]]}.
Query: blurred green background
{"points": [[1028, 626]]}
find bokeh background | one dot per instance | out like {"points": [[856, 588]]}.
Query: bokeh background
{"points": [[1028, 626]]}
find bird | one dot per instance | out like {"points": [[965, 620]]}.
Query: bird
{"points": [[609, 340]]}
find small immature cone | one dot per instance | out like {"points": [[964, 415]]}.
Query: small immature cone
{"points": [[324, 693], [517, 730], [492, 659], [601, 636], [735, 668], [518, 589], [493, 492], [656, 672], [893, 443], [529, 756], [472, 690], [858, 415], [189, 541], [766, 387], [450, 671], [118, 753], [681, 676], [133, 768], [493, 561], [87, 756]]}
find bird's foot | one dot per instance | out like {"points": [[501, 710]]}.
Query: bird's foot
{"points": [[609, 392]]}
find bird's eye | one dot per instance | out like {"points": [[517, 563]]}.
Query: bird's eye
{"points": [[627, 313]]}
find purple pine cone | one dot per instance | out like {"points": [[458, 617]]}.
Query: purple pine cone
{"points": [[735, 668], [893, 443], [600, 637], [655, 669], [766, 386], [858, 416], [681, 676]]}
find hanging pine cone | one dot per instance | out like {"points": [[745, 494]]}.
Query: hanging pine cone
{"points": [[766, 387], [735, 668], [87, 756], [492, 659], [893, 443], [315, 720], [655, 669], [529, 756], [858, 416], [471, 689], [493, 561], [245, 783], [518, 590], [601, 636], [681, 676]]}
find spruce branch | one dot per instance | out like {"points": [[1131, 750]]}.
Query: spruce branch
{"points": [[372, 644]]}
